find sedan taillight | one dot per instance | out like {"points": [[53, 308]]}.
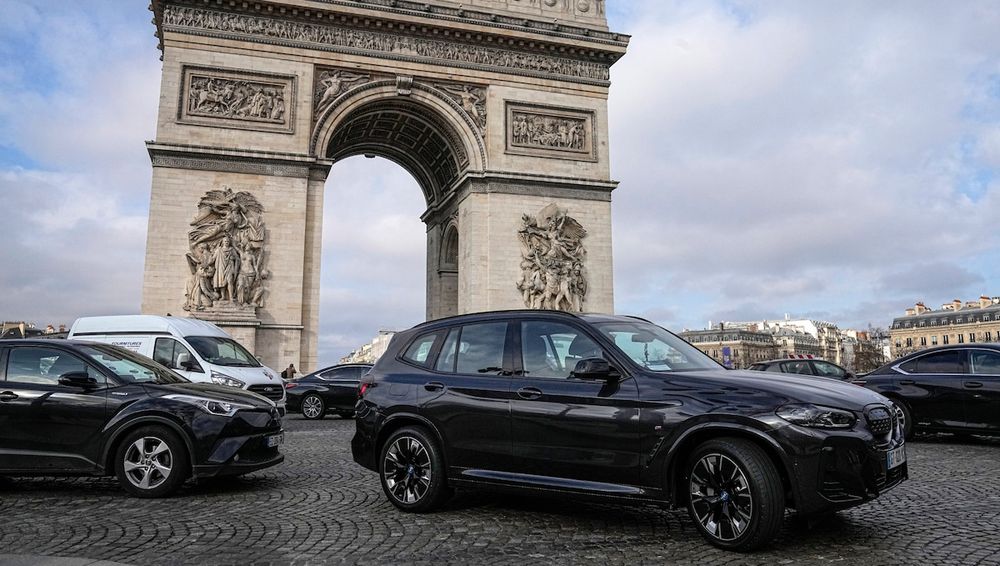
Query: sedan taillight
{"points": [[291, 385]]}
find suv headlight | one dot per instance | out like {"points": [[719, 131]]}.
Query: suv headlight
{"points": [[223, 379], [210, 406], [815, 416]]}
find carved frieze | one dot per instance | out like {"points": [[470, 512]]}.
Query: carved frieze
{"points": [[471, 98], [380, 44], [550, 132], [227, 254], [237, 99], [553, 272], [332, 83]]}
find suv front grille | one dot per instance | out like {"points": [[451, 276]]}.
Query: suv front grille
{"points": [[272, 392]]}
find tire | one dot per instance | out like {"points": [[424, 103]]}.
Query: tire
{"points": [[904, 413], [411, 469], [743, 512], [313, 407], [151, 461]]}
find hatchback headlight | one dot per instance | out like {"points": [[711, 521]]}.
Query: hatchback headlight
{"points": [[815, 416], [210, 406], [223, 379]]}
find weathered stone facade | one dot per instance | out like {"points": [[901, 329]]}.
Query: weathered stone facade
{"points": [[497, 107]]}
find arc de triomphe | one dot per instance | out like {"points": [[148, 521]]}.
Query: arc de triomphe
{"points": [[498, 108]]}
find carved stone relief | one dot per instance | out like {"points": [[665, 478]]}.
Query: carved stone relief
{"points": [[237, 99], [553, 132], [553, 275], [331, 83], [472, 99], [392, 45], [227, 254]]}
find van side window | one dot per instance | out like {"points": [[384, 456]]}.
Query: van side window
{"points": [[167, 351]]}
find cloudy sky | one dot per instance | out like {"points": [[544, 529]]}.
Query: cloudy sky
{"points": [[833, 160]]}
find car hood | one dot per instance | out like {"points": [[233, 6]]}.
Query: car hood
{"points": [[791, 387], [212, 391], [262, 375]]}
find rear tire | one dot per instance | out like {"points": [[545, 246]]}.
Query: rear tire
{"points": [[735, 495], [313, 407], [411, 469], [151, 461]]}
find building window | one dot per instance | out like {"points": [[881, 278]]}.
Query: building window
{"points": [[989, 336], [899, 344], [972, 337], [945, 339], [909, 342], [933, 340], [961, 338], [923, 340]]}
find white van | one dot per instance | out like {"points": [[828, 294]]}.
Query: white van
{"points": [[196, 349]]}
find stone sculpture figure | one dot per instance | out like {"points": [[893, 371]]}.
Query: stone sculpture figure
{"points": [[227, 253], [553, 275], [473, 101], [334, 83]]}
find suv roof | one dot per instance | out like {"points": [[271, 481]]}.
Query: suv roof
{"points": [[500, 314]]}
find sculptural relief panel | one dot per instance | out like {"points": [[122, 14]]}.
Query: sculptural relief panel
{"points": [[227, 254], [471, 98], [550, 132], [553, 272], [237, 99]]}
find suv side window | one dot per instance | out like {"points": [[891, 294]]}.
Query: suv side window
{"points": [[940, 362], [481, 348], [552, 349], [826, 369], [420, 350], [43, 366], [798, 366], [166, 351], [985, 363]]}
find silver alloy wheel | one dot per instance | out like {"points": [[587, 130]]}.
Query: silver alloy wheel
{"points": [[312, 407], [900, 416], [407, 470], [720, 497], [148, 462]]}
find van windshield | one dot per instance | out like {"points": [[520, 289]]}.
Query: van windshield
{"points": [[654, 348], [222, 351], [129, 366]]}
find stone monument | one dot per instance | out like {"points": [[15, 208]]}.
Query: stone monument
{"points": [[498, 108]]}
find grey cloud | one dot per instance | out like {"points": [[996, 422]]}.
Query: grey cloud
{"points": [[932, 279]]}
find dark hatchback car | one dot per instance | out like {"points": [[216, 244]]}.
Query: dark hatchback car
{"points": [[617, 407], [945, 389], [804, 366], [333, 389], [82, 408]]}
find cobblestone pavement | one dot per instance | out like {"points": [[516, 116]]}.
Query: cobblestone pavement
{"points": [[321, 508]]}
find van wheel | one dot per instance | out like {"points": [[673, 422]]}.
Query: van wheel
{"points": [[735, 496], [313, 407], [151, 461], [412, 471]]}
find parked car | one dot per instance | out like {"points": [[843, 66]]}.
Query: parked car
{"points": [[617, 407], [804, 366], [332, 389], [198, 350], [85, 408], [944, 389]]}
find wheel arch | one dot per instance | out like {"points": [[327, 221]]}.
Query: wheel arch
{"points": [[114, 440], [682, 449], [397, 421]]}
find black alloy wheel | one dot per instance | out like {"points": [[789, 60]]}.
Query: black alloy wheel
{"points": [[151, 462], [735, 494], [412, 471], [313, 407]]}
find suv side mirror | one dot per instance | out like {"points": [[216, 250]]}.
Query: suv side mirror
{"points": [[593, 368], [80, 379]]}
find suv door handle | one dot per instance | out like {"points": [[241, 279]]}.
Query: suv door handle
{"points": [[973, 385], [907, 382], [529, 393], [8, 396], [434, 386]]}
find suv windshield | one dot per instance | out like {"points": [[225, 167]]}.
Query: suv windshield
{"points": [[222, 351], [129, 366], [654, 348]]}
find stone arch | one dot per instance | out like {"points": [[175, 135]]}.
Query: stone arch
{"points": [[396, 119]]}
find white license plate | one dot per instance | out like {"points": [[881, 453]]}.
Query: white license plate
{"points": [[275, 440], [896, 457]]}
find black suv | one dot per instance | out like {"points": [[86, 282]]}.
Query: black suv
{"points": [[82, 408], [617, 407]]}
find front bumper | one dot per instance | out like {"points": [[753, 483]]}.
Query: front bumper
{"points": [[240, 446]]}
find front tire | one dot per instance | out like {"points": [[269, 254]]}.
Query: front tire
{"points": [[151, 461], [904, 414], [313, 407], [412, 472], [735, 495]]}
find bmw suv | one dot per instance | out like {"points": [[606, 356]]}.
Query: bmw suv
{"points": [[617, 407]]}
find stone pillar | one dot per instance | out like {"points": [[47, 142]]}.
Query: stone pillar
{"points": [[308, 356]]}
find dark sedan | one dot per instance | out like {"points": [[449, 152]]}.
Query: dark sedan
{"points": [[332, 389], [945, 389], [804, 366], [82, 408]]}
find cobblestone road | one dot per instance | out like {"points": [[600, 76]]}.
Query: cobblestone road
{"points": [[321, 508]]}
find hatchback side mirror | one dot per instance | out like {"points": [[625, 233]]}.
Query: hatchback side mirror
{"points": [[80, 379], [593, 368]]}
